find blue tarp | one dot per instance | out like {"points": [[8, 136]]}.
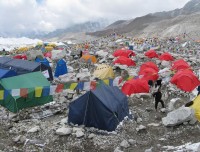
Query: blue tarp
{"points": [[102, 108], [18, 65], [61, 68], [44, 61], [7, 73]]}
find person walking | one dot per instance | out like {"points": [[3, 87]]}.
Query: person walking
{"points": [[198, 89], [158, 95]]}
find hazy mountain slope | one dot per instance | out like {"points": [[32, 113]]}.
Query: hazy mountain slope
{"points": [[159, 21]]}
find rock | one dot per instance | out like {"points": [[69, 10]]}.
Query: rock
{"points": [[124, 144], [117, 150], [163, 110], [62, 99], [16, 139], [149, 150], [75, 129], [143, 95], [193, 121], [141, 127], [12, 115], [162, 139], [79, 134], [132, 142], [20, 139], [63, 121], [91, 136], [198, 149], [149, 109], [64, 131], [165, 63], [154, 124], [139, 120], [172, 103], [178, 116], [34, 129], [185, 123]]}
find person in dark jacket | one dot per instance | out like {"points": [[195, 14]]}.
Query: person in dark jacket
{"points": [[198, 89], [158, 83], [81, 54], [158, 95]]}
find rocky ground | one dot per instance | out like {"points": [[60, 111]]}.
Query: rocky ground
{"points": [[45, 128], [28, 132]]}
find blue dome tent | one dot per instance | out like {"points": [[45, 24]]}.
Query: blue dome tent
{"points": [[61, 68]]}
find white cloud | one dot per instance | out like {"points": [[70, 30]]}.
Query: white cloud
{"points": [[48, 15]]}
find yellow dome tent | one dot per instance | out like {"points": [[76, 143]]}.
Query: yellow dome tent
{"points": [[196, 107], [22, 49], [48, 48], [104, 71], [52, 45], [89, 58]]}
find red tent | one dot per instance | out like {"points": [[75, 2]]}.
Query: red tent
{"points": [[151, 54], [180, 65], [166, 56], [149, 74], [124, 61], [185, 80], [135, 86], [149, 65], [125, 53], [48, 54], [23, 57]]}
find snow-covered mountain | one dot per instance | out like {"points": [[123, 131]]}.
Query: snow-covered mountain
{"points": [[90, 26], [11, 43]]}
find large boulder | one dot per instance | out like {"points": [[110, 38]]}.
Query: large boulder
{"points": [[32, 54], [172, 103], [58, 54], [178, 116], [165, 63]]}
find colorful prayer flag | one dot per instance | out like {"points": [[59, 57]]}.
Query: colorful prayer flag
{"points": [[106, 81], [1, 94], [38, 91], [86, 86], [93, 85], [73, 86], [15, 92], [59, 88], [6, 93], [52, 89], [24, 92], [45, 91], [111, 82]]}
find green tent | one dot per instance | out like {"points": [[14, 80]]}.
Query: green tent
{"points": [[28, 81]]}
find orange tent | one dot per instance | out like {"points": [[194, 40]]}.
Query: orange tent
{"points": [[89, 58]]}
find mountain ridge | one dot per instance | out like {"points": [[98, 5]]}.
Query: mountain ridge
{"points": [[140, 24]]}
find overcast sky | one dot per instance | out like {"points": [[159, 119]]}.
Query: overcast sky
{"points": [[48, 15]]}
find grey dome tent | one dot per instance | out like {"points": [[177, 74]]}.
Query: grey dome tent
{"points": [[102, 108]]}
